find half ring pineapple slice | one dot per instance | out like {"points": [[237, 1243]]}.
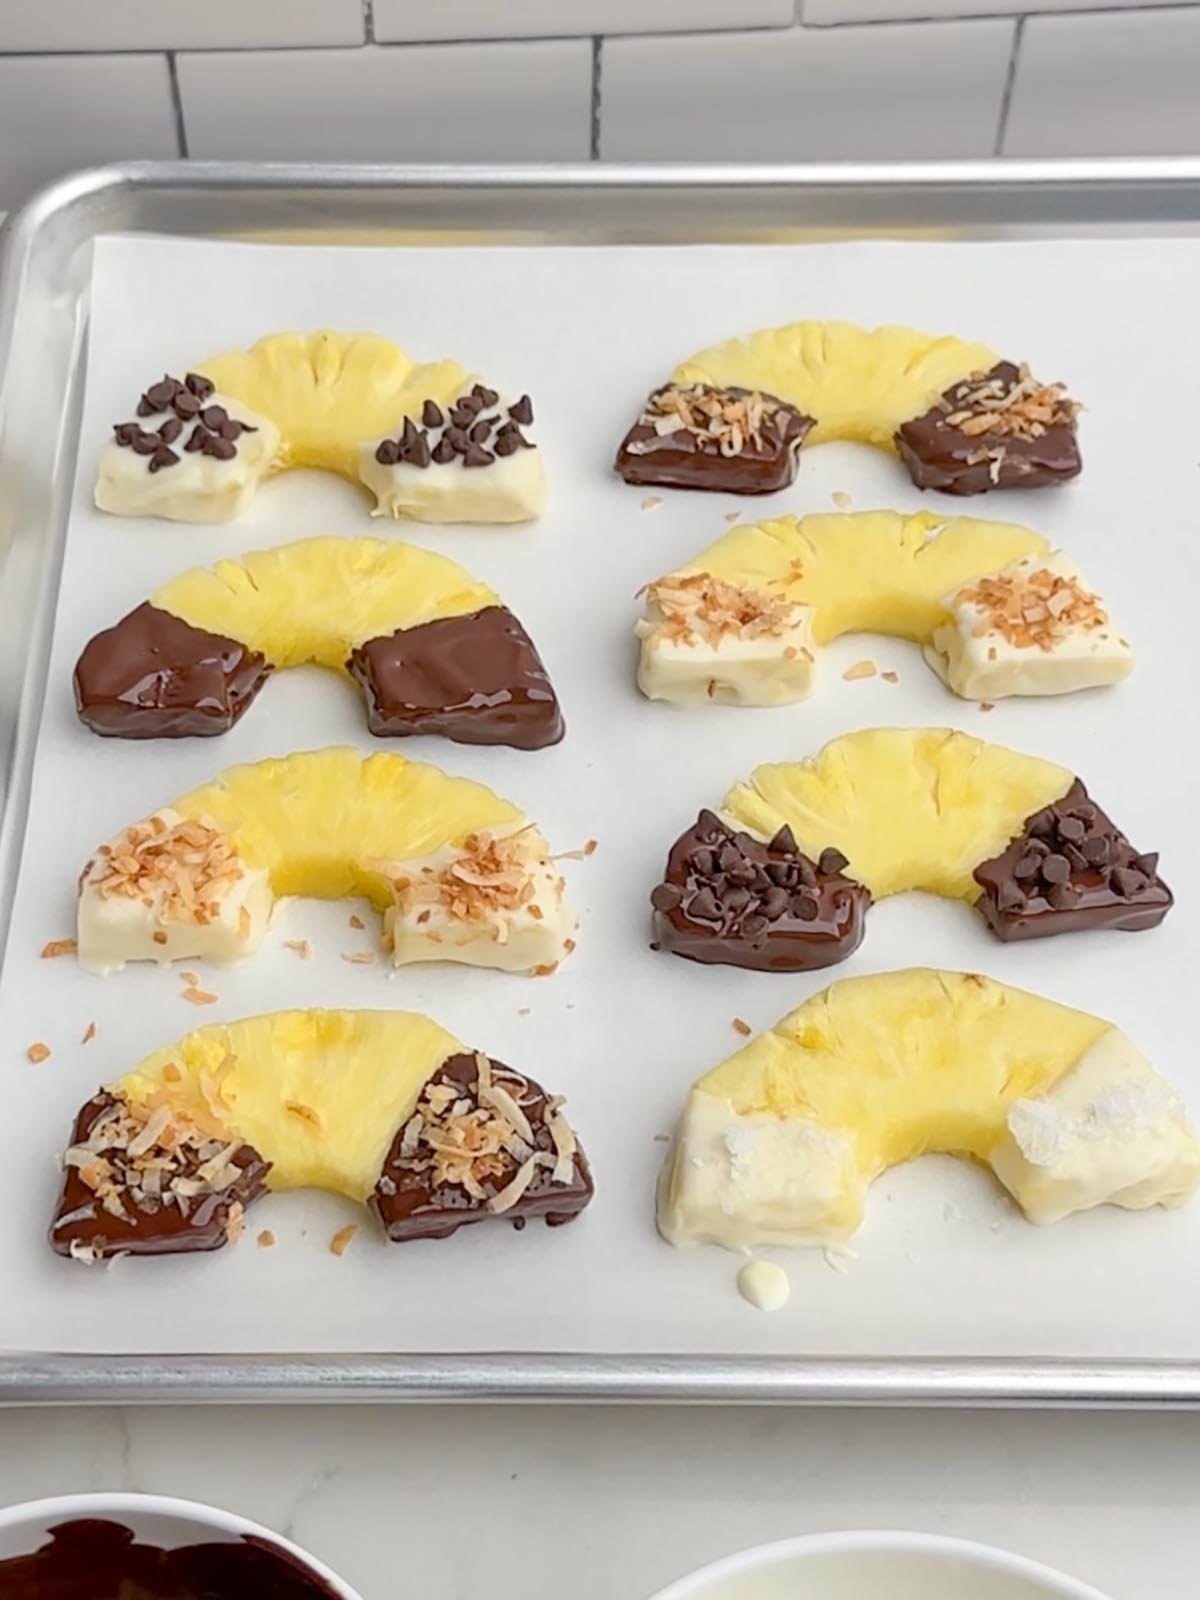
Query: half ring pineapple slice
{"points": [[429, 440], [383, 1107], [780, 1143], [459, 873], [996, 611]]}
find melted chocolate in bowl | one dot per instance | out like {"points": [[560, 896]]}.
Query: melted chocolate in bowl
{"points": [[95, 1559]]}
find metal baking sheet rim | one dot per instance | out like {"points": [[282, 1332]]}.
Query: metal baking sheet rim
{"points": [[41, 340]]}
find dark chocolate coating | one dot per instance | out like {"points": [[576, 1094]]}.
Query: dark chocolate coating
{"points": [[682, 461], [410, 1206], [476, 679], [92, 1558], [154, 676], [770, 885], [1121, 890], [941, 457], [164, 1230]]}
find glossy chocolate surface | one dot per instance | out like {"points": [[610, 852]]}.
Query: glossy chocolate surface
{"points": [[153, 676], [729, 900], [681, 460], [939, 456], [147, 1228], [476, 679], [1070, 868], [96, 1559], [412, 1204]]}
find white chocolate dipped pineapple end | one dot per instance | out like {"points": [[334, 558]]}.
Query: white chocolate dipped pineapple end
{"points": [[780, 1144], [1033, 628]]}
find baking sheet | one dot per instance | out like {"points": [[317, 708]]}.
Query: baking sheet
{"points": [[944, 1266]]}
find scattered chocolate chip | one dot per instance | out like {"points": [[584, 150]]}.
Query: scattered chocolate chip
{"points": [[145, 444], [1009, 896], [231, 429], [480, 431], [199, 386], [198, 438], [214, 416], [831, 862], [443, 451], [774, 903], [1126, 881], [431, 414], [1147, 863], [408, 434], [419, 454], [1062, 897], [784, 841], [220, 449], [1096, 851], [457, 440], [521, 411], [163, 457], [1056, 869], [506, 444], [703, 906], [754, 926], [805, 907], [1028, 866], [170, 430], [476, 456], [486, 397], [1072, 828], [1042, 822], [666, 896], [160, 395], [126, 432], [186, 405], [387, 453]]}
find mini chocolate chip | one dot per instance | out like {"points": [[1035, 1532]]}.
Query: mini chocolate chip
{"points": [[779, 871], [214, 416], [1027, 866], [521, 411], [126, 432], [231, 429], [737, 898], [742, 874], [729, 857], [704, 906], [1086, 811], [476, 456], [1147, 863], [464, 413], [1009, 895], [431, 414], [419, 453], [805, 907], [831, 861], [146, 408], [806, 872], [170, 430], [198, 438], [774, 904], [387, 452], [702, 862], [1096, 851], [754, 926], [457, 440], [443, 451], [220, 449], [1062, 897], [145, 444], [247, 427], [162, 457], [1125, 881], [666, 897], [1071, 828], [480, 431], [506, 445], [1079, 862], [1042, 822], [709, 825], [1056, 869], [784, 841], [186, 405], [408, 434], [161, 394], [484, 395], [199, 386]]}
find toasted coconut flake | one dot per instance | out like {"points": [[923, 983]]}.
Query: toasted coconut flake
{"points": [[730, 420], [890, 677], [244, 923], [266, 1239], [689, 607], [1033, 609], [740, 1025], [83, 1252], [340, 1242], [151, 1133], [38, 1052], [190, 977], [182, 870], [651, 500], [507, 1197], [410, 1139], [500, 1100], [235, 1223], [565, 1147], [985, 407], [300, 947], [842, 499], [58, 947], [297, 1108], [199, 997], [359, 958], [490, 879], [860, 669], [357, 922], [89, 1033]]}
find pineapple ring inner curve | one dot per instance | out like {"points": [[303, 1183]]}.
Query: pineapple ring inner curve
{"points": [[742, 621], [779, 1144], [909, 808], [383, 1107], [427, 439], [459, 873]]}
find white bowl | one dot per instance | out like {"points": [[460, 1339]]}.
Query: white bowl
{"points": [[154, 1518], [877, 1566]]}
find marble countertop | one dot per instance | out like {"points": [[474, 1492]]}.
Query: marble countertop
{"points": [[626, 1498]]}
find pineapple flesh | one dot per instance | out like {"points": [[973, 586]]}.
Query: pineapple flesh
{"points": [[856, 383], [780, 1143], [910, 808], [318, 599]]}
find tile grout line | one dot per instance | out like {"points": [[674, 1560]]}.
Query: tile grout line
{"points": [[1010, 79], [177, 104], [594, 136]]}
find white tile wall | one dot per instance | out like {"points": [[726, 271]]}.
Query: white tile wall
{"points": [[503, 102], [487, 19], [822, 13], [58, 113], [919, 90], [1108, 84], [111, 25]]}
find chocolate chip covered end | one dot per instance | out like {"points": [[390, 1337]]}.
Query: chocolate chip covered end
{"points": [[143, 1181], [1071, 868], [153, 676], [697, 436], [729, 900], [1000, 429], [483, 1141], [476, 679]]}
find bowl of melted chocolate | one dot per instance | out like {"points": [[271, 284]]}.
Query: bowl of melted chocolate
{"points": [[145, 1547], [877, 1566]]}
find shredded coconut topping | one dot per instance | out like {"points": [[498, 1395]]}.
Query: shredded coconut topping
{"points": [[725, 417], [182, 869], [1021, 410], [1033, 609], [490, 879], [695, 605]]}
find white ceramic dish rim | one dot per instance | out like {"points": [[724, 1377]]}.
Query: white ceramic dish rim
{"points": [[39, 1514], [988, 1557]]}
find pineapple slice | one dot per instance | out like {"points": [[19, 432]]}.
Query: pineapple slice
{"points": [[824, 575], [910, 808], [460, 874], [383, 1107], [779, 1144], [856, 383], [317, 599], [328, 392]]}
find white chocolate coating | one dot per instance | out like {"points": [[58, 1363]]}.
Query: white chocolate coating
{"points": [[761, 670]]}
